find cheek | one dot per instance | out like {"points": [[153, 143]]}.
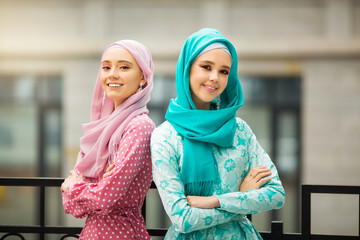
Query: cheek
{"points": [[131, 77], [196, 78], [191, 82], [224, 83], [102, 80], [194, 85]]}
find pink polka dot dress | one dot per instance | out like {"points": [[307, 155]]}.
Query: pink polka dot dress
{"points": [[113, 205]]}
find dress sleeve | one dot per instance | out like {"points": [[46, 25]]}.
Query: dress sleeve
{"points": [[133, 156], [270, 195], [167, 178]]}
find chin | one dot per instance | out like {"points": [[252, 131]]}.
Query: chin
{"points": [[208, 99]]}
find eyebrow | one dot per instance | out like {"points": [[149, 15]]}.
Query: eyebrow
{"points": [[210, 62], [120, 61]]}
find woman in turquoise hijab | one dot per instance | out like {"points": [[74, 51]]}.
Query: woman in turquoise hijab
{"points": [[207, 164]]}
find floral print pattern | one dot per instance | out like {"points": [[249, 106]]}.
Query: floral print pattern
{"points": [[233, 164], [229, 165]]}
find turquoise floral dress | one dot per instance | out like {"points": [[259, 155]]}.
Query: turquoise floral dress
{"points": [[229, 221]]}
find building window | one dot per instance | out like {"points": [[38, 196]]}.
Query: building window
{"points": [[30, 144], [272, 109]]}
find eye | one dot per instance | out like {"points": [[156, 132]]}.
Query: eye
{"points": [[207, 67], [124, 67], [225, 72], [105, 67]]}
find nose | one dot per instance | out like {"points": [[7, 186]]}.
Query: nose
{"points": [[214, 76], [113, 74]]}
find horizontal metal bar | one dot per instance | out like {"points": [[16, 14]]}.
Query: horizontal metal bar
{"points": [[307, 190], [333, 189], [39, 229], [333, 237], [157, 232], [63, 230], [35, 182], [292, 236], [285, 236]]}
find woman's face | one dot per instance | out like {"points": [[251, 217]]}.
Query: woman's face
{"points": [[120, 75], [208, 77]]}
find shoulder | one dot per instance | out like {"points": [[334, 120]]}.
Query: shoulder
{"points": [[243, 130], [165, 140], [165, 132], [140, 123], [164, 129], [142, 120], [241, 125]]}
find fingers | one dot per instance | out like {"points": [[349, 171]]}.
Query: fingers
{"points": [[259, 172], [64, 186], [264, 180], [107, 174], [261, 175], [108, 170], [255, 178], [112, 165]]}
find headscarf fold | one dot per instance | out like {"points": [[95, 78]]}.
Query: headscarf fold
{"points": [[203, 128], [103, 133]]}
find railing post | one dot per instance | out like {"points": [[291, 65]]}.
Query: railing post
{"points": [[143, 209], [276, 230], [306, 212], [42, 211]]}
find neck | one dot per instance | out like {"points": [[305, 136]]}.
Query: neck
{"points": [[202, 106]]}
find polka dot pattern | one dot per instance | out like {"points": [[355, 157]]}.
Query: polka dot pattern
{"points": [[112, 205]]}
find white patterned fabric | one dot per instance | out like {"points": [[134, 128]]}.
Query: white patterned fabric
{"points": [[229, 221]]}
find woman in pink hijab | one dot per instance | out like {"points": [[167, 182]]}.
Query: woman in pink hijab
{"points": [[113, 171]]}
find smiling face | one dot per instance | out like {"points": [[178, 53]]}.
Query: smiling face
{"points": [[208, 77], [120, 75]]}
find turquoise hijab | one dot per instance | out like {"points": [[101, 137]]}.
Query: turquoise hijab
{"points": [[203, 128]]}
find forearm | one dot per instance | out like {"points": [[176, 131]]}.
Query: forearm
{"points": [[188, 219], [167, 177], [184, 217], [72, 206], [203, 202], [253, 201], [133, 159]]}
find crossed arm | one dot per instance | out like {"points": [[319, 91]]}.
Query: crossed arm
{"points": [[254, 179], [259, 188], [81, 198]]}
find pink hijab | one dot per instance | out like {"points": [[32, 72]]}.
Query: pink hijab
{"points": [[103, 133]]}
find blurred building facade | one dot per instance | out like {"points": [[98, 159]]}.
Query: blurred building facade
{"points": [[299, 63]]}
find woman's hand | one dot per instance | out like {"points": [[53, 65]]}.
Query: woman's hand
{"points": [[255, 178], [203, 202], [108, 170], [71, 179]]}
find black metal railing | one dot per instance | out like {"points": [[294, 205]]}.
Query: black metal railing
{"points": [[306, 192], [276, 232]]}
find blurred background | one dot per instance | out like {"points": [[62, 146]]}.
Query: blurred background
{"points": [[299, 65]]}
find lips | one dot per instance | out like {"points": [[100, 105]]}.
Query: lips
{"points": [[210, 88], [114, 85]]}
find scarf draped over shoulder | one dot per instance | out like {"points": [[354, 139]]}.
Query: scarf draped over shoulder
{"points": [[202, 129], [103, 133]]}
